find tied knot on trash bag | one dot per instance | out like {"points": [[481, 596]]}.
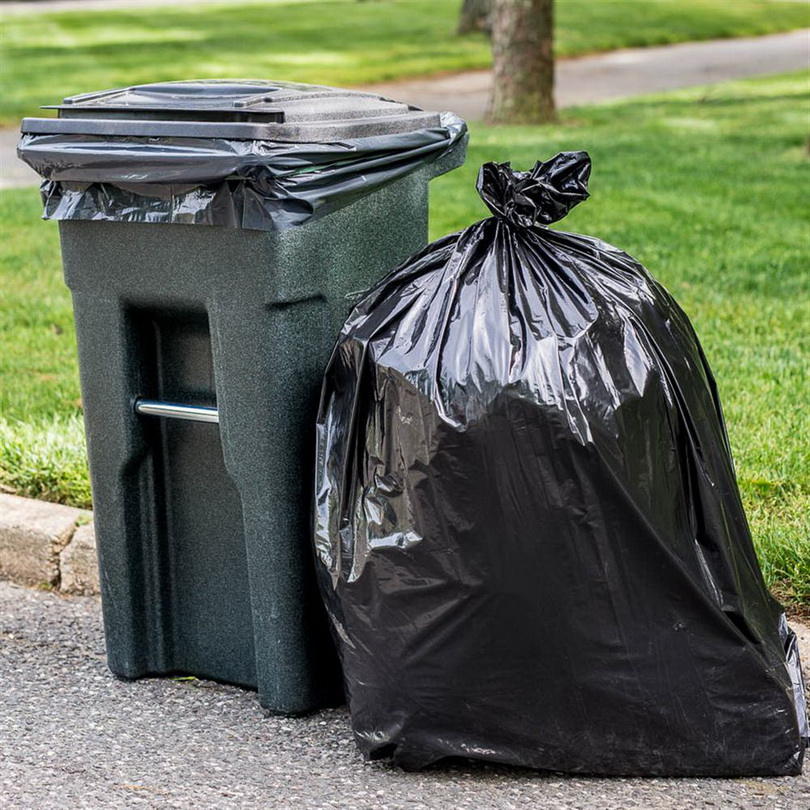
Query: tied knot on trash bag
{"points": [[540, 196]]}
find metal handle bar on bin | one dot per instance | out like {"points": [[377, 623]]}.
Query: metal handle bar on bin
{"points": [[176, 410]]}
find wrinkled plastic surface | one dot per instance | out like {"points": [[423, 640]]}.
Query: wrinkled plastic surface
{"points": [[258, 185], [528, 530]]}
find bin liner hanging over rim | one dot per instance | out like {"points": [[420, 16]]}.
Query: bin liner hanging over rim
{"points": [[530, 539], [258, 185]]}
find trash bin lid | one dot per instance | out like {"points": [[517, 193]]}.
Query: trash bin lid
{"points": [[239, 109]]}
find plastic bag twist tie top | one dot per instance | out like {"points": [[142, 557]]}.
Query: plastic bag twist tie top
{"points": [[537, 197]]}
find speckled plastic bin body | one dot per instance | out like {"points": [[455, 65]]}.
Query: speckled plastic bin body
{"points": [[203, 529]]}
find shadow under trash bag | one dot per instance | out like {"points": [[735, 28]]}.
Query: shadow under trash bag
{"points": [[529, 535]]}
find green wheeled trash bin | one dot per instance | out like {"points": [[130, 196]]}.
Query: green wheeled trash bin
{"points": [[214, 235]]}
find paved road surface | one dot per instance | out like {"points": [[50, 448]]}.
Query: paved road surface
{"points": [[622, 74], [586, 80], [73, 736]]}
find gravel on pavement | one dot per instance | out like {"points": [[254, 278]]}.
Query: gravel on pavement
{"points": [[72, 735]]}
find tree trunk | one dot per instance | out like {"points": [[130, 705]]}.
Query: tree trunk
{"points": [[523, 69], [476, 15]]}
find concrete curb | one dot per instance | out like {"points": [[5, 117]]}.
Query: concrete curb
{"points": [[47, 545]]}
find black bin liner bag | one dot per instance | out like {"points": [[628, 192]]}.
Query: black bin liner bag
{"points": [[528, 534], [250, 184]]}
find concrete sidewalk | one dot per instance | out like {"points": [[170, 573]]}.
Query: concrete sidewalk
{"points": [[621, 74], [71, 735], [586, 80]]}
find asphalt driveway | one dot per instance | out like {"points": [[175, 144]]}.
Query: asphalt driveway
{"points": [[71, 735]]}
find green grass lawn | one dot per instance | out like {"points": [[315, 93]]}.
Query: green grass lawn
{"points": [[709, 188], [47, 56]]}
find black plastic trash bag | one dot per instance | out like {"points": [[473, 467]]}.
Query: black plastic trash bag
{"points": [[530, 538]]}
